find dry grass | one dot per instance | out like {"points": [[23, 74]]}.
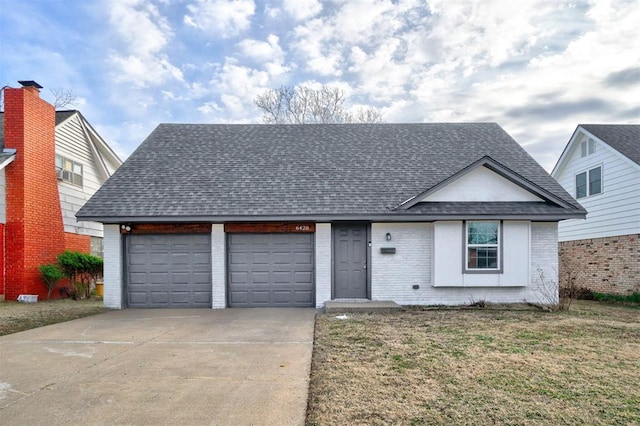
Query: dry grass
{"points": [[15, 316], [479, 367]]}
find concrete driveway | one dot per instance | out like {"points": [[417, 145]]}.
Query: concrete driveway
{"points": [[187, 366]]}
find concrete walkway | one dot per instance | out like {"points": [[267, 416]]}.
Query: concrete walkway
{"points": [[153, 367]]}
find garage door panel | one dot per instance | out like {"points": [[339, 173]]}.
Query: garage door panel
{"points": [[169, 270], [282, 277], [303, 278], [159, 297], [268, 269]]}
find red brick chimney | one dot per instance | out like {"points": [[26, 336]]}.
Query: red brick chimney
{"points": [[34, 232]]}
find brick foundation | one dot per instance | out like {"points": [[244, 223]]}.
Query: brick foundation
{"points": [[604, 265], [1, 262]]}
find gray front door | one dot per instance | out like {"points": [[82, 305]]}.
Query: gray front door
{"points": [[168, 271], [270, 270], [350, 248]]}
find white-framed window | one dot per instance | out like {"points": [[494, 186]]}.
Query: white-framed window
{"points": [[587, 147], [482, 246], [68, 170], [589, 182]]}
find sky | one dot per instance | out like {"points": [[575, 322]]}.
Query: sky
{"points": [[536, 67]]}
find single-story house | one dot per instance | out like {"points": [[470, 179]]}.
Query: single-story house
{"points": [[219, 216]]}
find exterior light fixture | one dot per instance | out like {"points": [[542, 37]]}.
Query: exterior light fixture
{"points": [[388, 236]]}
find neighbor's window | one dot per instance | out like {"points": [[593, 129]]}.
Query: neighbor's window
{"points": [[68, 170], [589, 183], [97, 247], [587, 147], [483, 245]]}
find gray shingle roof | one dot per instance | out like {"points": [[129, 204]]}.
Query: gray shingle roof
{"points": [[217, 172], [624, 138]]}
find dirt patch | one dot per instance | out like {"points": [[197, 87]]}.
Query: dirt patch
{"points": [[16, 316], [485, 366]]}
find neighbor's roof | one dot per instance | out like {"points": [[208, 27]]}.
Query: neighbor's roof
{"points": [[624, 138], [324, 172]]}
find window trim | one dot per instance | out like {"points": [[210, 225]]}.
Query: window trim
{"points": [[60, 171], [465, 249], [587, 173]]}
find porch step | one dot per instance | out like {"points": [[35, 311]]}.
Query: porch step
{"points": [[368, 306]]}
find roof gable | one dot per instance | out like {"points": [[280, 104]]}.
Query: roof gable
{"points": [[207, 172], [485, 181], [623, 138], [73, 123]]}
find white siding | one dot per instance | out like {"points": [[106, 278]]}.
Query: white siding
{"points": [[112, 267], [72, 143], [616, 211], [448, 263], [448, 254], [218, 267], [3, 197], [323, 263], [482, 184]]}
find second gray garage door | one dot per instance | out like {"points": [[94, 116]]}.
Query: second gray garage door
{"points": [[168, 271], [270, 270]]}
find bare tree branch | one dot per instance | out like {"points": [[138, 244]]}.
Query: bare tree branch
{"points": [[302, 105], [63, 98]]}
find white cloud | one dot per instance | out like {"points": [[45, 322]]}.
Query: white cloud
{"points": [[144, 34], [302, 9], [264, 51], [224, 18]]}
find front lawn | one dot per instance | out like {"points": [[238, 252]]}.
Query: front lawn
{"points": [[16, 316], [480, 367]]}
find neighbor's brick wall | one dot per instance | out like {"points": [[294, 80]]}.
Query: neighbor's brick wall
{"points": [[218, 267], [323, 263], [1, 262], [604, 265], [112, 297], [76, 242], [34, 231]]}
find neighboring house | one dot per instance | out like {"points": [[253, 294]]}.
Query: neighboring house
{"points": [[50, 164], [600, 166], [297, 215]]}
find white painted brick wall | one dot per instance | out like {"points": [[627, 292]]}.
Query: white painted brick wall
{"points": [[544, 260], [218, 267], [112, 267], [393, 275], [323, 263]]}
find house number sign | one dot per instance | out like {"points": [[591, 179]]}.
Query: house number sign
{"points": [[270, 228]]}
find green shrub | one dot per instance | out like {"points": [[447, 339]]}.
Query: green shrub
{"points": [[617, 298], [81, 269], [51, 275]]}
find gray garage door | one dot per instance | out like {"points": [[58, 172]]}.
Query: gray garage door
{"points": [[273, 270], [169, 271]]}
